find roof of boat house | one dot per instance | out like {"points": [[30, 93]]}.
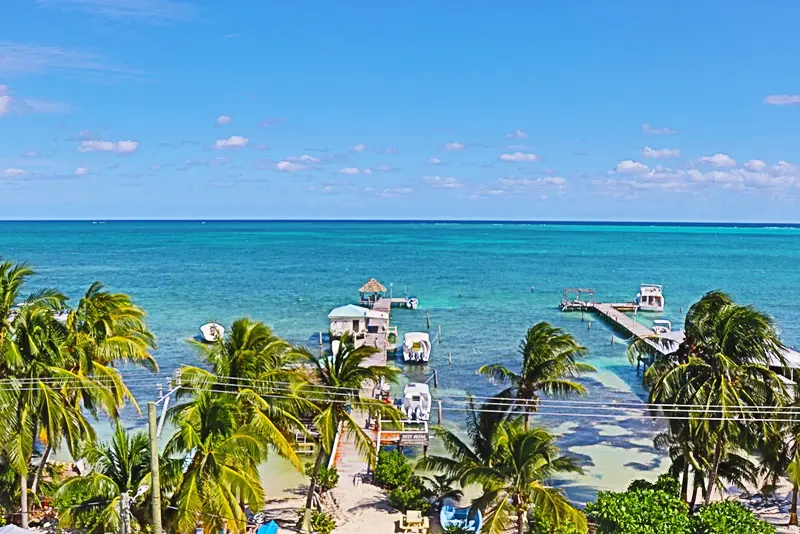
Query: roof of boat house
{"points": [[372, 286], [351, 311]]}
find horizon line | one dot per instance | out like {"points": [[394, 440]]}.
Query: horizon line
{"points": [[556, 222]]}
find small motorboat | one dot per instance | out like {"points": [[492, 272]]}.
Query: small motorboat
{"points": [[416, 402], [416, 347], [661, 326], [211, 332], [450, 516], [650, 298], [412, 303]]}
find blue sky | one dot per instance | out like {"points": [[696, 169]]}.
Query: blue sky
{"points": [[518, 110]]}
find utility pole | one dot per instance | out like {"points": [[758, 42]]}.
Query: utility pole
{"points": [[124, 512], [155, 486]]}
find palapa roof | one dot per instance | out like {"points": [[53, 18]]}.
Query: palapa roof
{"points": [[372, 286]]}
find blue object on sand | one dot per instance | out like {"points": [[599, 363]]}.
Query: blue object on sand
{"points": [[460, 517], [269, 528]]}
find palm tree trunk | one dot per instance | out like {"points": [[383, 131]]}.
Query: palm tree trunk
{"points": [[306, 525], [693, 502], [40, 470], [23, 500], [793, 511], [525, 419], [685, 476], [712, 476], [520, 521]]}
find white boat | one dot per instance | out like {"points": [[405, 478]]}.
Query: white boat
{"points": [[416, 347], [650, 298], [416, 404], [662, 326], [211, 332], [412, 303]]}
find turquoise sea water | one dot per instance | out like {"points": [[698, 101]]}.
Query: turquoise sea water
{"points": [[290, 274]]}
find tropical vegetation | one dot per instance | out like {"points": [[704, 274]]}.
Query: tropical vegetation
{"points": [[255, 395], [549, 367]]}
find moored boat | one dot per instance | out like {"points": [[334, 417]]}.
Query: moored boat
{"points": [[662, 326], [412, 303], [416, 347], [416, 402], [450, 516], [211, 332], [650, 298]]}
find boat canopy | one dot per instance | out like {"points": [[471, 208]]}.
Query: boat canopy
{"points": [[351, 311], [410, 338]]}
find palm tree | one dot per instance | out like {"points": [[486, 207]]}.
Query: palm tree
{"points": [[442, 488], [549, 366], [516, 482], [723, 368], [36, 399], [13, 277], [121, 466], [264, 372], [335, 389], [220, 479], [480, 447]]}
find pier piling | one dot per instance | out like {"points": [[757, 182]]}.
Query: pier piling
{"points": [[439, 412]]}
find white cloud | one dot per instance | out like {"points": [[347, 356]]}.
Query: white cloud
{"points": [[396, 191], [518, 157], [660, 153], [631, 167], [556, 181], [5, 104], [718, 160], [222, 120], [453, 147], [14, 172], [646, 128], [444, 182], [80, 171], [234, 141], [32, 59], [146, 10], [31, 154], [358, 148], [122, 147], [782, 100], [434, 161], [517, 134], [288, 166], [305, 158], [350, 171], [755, 164]]}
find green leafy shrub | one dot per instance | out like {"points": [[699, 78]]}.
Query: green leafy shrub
{"points": [[640, 511], [322, 523], [457, 529], [326, 478], [666, 483], [538, 524], [412, 496], [393, 470], [728, 517]]}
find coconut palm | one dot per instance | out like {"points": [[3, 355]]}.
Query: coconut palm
{"points": [[13, 277], [35, 400], [549, 366], [335, 389], [722, 368], [478, 449], [516, 481], [263, 371], [121, 466], [220, 479], [442, 488]]}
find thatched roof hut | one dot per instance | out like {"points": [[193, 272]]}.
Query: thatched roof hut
{"points": [[372, 286]]}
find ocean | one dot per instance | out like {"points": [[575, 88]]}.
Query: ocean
{"points": [[483, 283]]}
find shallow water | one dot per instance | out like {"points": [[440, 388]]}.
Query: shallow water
{"points": [[290, 274]]}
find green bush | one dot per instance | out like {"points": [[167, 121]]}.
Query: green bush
{"points": [[728, 517], [538, 524], [393, 470], [640, 511], [412, 496], [457, 529], [322, 523], [326, 478], [666, 483]]}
